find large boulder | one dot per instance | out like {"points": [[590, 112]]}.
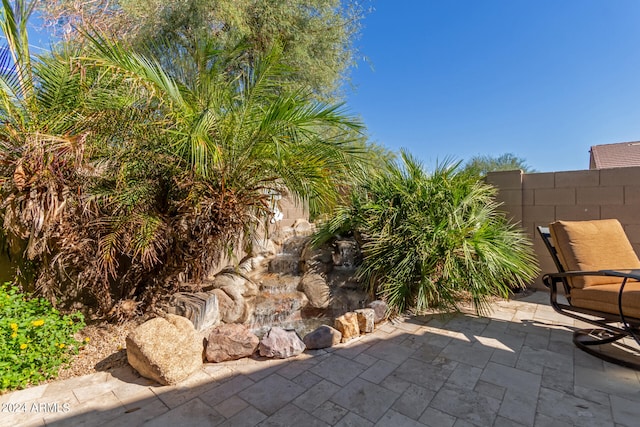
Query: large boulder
{"points": [[316, 289], [230, 342], [281, 343], [348, 326], [322, 337], [165, 349]]}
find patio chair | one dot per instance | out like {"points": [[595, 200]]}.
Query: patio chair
{"points": [[599, 272]]}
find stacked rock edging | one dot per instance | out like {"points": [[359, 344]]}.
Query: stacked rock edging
{"points": [[346, 327]]}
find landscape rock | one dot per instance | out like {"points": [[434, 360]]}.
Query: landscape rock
{"points": [[281, 343], [302, 227], [366, 318], [322, 337], [200, 308], [230, 310], [346, 253], [348, 326], [294, 245], [236, 296], [166, 350], [230, 342], [316, 289], [380, 308], [285, 264], [263, 247], [317, 260]]}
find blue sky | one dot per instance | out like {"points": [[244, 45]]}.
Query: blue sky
{"points": [[544, 79]]}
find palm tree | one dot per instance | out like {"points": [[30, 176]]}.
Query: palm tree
{"points": [[152, 175], [432, 240]]}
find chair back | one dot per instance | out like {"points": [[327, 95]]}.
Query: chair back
{"points": [[592, 246], [545, 234]]}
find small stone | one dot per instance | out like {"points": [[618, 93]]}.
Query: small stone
{"points": [[380, 307], [322, 337], [348, 326], [166, 350], [366, 318], [230, 342], [281, 343]]}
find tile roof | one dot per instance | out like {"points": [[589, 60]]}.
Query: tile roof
{"points": [[620, 155]]}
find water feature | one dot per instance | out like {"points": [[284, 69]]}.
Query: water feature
{"points": [[280, 300], [279, 303]]}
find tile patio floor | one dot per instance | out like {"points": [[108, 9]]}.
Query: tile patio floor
{"points": [[516, 368]]}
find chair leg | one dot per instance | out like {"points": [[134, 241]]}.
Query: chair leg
{"points": [[590, 340]]}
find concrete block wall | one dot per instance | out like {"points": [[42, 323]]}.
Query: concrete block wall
{"points": [[540, 198], [291, 211]]}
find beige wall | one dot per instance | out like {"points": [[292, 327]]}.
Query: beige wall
{"points": [[540, 198], [291, 212]]}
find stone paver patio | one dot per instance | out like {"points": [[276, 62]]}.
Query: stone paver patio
{"points": [[516, 368]]}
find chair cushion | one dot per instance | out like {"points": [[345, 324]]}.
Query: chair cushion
{"points": [[592, 245], [605, 298]]}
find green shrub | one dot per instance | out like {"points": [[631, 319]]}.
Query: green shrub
{"points": [[35, 339], [432, 240]]}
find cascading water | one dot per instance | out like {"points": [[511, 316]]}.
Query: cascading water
{"points": [[281, 303]]}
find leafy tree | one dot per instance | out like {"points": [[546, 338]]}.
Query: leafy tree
{"points": [[122, 179], [316, 35], [481, 165], [431, 240]]}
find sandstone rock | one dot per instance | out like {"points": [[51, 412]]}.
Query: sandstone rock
{"points": [[380, 308], [166, 350], [316, 289], [322, 337], [263, 247], [236, 296], [281, 343], [302, 227], [281, 234], [230, 311], [230, 342], [348, 326], [366, 318], [240, 304], [199, 307], [228, 278]]}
